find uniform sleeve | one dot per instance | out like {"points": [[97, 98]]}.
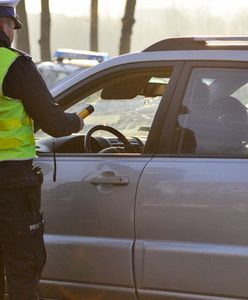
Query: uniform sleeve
{"points": [[23, 81]]}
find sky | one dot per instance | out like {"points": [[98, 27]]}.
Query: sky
{"points": [[114, 8]]}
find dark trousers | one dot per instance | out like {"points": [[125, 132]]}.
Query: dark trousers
{"points": [[22, 251]]}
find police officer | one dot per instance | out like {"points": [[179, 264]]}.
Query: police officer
{"points": [[24, 97]]}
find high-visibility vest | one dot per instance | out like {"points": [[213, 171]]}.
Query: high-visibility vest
{"points": [[16, 127]]}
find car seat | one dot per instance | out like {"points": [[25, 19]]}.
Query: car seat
{"points": [[228, 124], [195, 120]]}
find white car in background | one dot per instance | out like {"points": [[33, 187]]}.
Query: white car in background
{"points": [[159, 210], [68, 61]]}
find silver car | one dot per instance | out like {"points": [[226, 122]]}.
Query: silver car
{"points": [[150, 200]]}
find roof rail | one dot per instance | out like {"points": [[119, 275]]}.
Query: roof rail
{"points": [[221, 38], [201, 43]]}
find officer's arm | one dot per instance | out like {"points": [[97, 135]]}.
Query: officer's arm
{"points": [[23, 81]]}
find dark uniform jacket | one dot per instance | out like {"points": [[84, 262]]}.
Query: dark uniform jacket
{"points": [[23, 81]]}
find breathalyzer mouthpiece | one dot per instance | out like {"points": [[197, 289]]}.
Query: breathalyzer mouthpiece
{"points": [[86, 111]]}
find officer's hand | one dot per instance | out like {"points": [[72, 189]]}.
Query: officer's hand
{"points": [[81, 123]]}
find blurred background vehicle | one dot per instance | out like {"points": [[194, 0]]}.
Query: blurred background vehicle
{"points": [[67, 61]]}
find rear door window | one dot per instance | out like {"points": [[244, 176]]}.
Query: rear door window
{"points": [[213, 117]]}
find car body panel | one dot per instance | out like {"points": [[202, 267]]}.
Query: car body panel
{"points": [[189, 237], [79, 224]]}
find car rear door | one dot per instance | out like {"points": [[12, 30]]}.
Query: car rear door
{"points": [[191, 215], [89, 212]]}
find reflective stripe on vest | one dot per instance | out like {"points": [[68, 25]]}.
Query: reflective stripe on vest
{"points": [[16, 127]]}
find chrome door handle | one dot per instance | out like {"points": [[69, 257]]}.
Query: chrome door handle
{"points": [[114, 180]]}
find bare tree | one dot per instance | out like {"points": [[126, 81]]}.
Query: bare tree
{"points": [[127, 24], [22, 36], [94, 26], [44, 41]]}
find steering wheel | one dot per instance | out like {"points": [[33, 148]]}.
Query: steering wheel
{"points": [[127, 145]]}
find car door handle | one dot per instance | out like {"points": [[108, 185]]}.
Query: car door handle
{"points": [[114, 180]]}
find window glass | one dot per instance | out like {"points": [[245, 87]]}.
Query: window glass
{"points": [[127, 102], [213, 118], [242, 94]]}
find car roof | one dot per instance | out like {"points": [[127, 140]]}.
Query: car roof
{"points": [[176, 49]]}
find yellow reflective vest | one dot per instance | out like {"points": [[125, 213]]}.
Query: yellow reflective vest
{"points": [[16, 127]]}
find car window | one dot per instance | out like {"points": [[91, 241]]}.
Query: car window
{"points": [[242, 94], [214, 115], [127, 103]]}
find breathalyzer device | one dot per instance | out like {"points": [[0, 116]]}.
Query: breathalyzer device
{"points": [[86, 111]]}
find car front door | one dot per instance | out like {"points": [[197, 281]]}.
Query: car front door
{"points": [[88, 199], [192, 198]]}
